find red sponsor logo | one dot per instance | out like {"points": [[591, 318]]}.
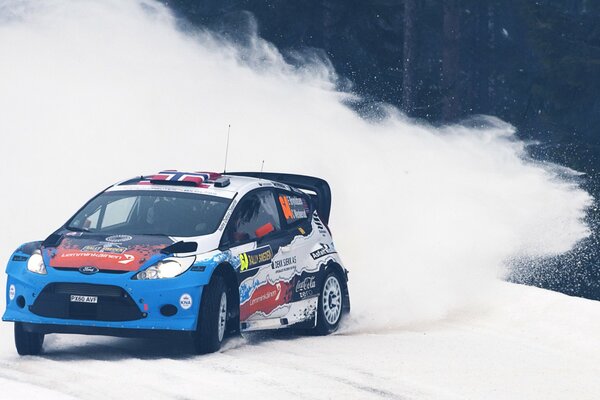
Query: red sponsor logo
{"points": [[97, 259], [265, 299], [76, 252]]}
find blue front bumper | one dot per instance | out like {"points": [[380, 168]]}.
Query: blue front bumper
{"points": [[147, 295]]}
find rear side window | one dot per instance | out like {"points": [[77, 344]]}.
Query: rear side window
{"points": [[295, 208]]}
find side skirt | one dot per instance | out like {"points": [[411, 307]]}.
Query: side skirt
{"points": [[300, 312], [102, 331]]}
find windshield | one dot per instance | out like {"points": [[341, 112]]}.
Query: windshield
{"points": [[140, 212]]}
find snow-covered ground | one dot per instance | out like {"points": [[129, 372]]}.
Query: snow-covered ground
{"points": [[529, 344]]}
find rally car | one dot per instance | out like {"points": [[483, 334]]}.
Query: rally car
{"points": [[200, 254]]}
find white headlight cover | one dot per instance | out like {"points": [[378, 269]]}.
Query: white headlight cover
{"points": [[167, 268], [36, 263]]}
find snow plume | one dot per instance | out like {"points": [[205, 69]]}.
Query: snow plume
{"points": [[425, 218]]}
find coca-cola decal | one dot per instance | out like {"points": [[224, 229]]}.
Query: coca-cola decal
{"points": [[306, 286]]}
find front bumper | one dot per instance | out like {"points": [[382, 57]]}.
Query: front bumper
{"points": [[127, 304]]}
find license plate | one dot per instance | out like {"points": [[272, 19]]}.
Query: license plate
{"points": [[75, 298]]}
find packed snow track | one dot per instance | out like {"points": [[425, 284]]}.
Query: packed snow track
{"points": [[531, 344]]}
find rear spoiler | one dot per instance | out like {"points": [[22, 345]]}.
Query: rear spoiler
{"points": [[317, 188]]}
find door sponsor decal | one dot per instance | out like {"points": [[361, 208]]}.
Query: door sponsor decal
{"points": [[265, 299], [255, 258], [289, 262]]}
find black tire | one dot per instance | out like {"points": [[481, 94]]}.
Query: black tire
{"points": [[27, 343], [326, 323], [206, 338]]}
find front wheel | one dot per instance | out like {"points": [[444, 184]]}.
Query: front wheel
{"points": [[27, 343], [330, 306], [212, 320]]}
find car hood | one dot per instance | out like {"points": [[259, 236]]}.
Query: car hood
{"points": [[105, 252]]}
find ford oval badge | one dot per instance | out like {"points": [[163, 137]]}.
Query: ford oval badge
{"points": [[88, 270]]}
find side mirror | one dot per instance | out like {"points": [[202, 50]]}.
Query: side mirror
{"points": [[180, 247], [53, 240]]}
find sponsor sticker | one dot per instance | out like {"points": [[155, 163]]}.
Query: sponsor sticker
{"points": [[305, 287], [114, 248], [323, 251], [275, 293], [185, 301], [255, 258], [119, 238], [319, 225], [306, 284], [128, 258], [12, 292], [73, 233], [294, 208], [284, 262], [120, 258], [181, 189], [227, 216], [92, 247], [265, 299], [248, 287], [281, 186]]}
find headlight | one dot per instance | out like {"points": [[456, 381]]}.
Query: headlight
{"points": [[36, 263], [167, 268]]}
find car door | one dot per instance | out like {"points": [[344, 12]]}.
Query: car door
{"points": [[254, 236], [293, 265]]}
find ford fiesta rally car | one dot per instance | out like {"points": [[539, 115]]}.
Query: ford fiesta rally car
{"points": [[198, 254]]}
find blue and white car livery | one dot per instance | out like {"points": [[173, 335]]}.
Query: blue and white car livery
{"points": [[199, 254]]}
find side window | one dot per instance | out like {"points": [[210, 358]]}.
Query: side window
{"points": [[255, 217], [295, 208], [118, 211], [90, 222]]}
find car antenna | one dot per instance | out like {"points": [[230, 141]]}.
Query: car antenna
{"points": [[227, 148], [262, 166]]}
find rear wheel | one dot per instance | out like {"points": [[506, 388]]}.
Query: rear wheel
{"points": [[330, 306], [27, 343], [213, 318]]}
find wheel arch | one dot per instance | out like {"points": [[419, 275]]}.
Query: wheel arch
{"points": [[333, 266], [229, 275]]}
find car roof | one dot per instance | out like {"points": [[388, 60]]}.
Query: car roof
{"points": [[210, 183]]}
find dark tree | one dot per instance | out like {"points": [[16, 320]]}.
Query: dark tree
{"points": [[409, 56], [534, 64], [451, 60]]}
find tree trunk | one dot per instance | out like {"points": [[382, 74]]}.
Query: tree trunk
{"points": [[409, 57], [481, 59], [451, 61]]}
